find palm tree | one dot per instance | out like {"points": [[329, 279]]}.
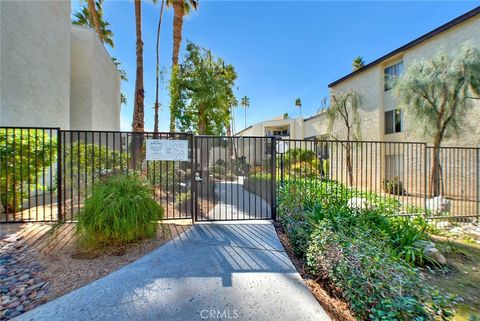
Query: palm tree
{"points": [[101, 27], [298, 103], [358, 63], [180, 9], [93, 14], [245, 104], [157, 70], [138, 108]]}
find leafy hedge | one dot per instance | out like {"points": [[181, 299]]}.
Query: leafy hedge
{"points": [[368, 255], [25, 156]]}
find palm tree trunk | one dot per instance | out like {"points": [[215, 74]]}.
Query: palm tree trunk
{"points": [[138, 109], [157, 70], [178, 13], [94, 18], [245, 117]]}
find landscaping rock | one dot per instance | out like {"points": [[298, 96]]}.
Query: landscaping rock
{"points": [[358, 203], [18, 273], [438, 205], [429, 250], [435, 254]]}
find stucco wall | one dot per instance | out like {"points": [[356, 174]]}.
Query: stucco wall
{"points": [[369, 85], [81, 97], [95, 84], [35, 63], [316, 126], [449, 42], [376, 101]]}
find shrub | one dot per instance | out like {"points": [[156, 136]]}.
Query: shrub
{"points": [[121, 210], [394, 186], [377, 285], [24, 156]]}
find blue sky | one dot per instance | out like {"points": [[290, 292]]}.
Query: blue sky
{"points": [[281, 50]]}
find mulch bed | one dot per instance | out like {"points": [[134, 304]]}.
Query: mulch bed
{"points": [[336, 308]]}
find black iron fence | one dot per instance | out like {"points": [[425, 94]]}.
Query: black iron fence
{"points": [[47, 173], [400, 177]]}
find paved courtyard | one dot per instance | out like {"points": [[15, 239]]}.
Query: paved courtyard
{"points": [[226, 271]]}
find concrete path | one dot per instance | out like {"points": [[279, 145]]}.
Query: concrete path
{"points": [[235, 202], [211, 272]]}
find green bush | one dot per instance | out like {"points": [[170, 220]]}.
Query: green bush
{"points": [[121, 210], [87, 164], [376, 285], [369, 255], [24, 156], [394, 186]]}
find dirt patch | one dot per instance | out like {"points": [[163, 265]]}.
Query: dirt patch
{"points": [[336, 308], [66, 269]]}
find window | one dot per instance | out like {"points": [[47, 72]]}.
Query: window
{"points": [[391, 73], [393, 121], [279, 132]]}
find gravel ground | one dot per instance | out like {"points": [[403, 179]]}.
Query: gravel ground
{"points": [[43, 259], [22, 288]]}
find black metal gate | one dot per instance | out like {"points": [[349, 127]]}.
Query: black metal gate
{"points": [[234, 178]]}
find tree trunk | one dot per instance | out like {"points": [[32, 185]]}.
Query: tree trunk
{"points": [[435, 170], [157, 70], [138, 110], [178, 13], [202, 124], [349, 163], [94, 18]]}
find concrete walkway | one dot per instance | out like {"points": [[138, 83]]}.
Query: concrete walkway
{"points": [[219, 271], [236, 203]]}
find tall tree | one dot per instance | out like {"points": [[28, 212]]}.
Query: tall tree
{"points": [[101, 27], [298, 104], [358, 63], [157, 69], [138, 124], [245, 104], [438, 93], [344, 108], [205, 86], [180, 9], [138, 105]]}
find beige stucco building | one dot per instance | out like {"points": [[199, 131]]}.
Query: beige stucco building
{"points": [[381, 117], [52, 73], [385, 153]]}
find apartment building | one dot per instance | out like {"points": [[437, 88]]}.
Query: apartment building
{"points": [[52, 73]]}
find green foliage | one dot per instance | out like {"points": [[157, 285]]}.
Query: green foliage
{"points": [[221, 172], [120, 211], [367, 254], [89, 163], [24, 156], [344, 107], [438, 92], [202, 92], [394, 186], [82, 18], [377, 286]]}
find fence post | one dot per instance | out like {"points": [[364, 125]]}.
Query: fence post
{"points": [[273, 181], [478, 185], [193, 185], [59, 175], [425, 169]]}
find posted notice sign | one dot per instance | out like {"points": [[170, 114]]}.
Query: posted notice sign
{"points": [[167, 150]]}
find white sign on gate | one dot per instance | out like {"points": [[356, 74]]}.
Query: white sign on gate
{"points": [[167, 150]]}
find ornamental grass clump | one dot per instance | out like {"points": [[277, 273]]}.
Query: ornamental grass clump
{"points": [[121, 210]]}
